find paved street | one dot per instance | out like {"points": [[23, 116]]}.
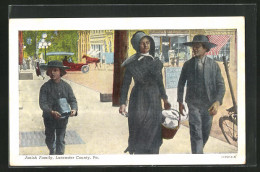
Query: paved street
{"points": [[99, 125]]}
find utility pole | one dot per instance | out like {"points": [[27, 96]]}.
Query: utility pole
{"points": [[20, 47], [120, 54], [35, 55]]}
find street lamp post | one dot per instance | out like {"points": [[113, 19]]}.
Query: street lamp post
{"points": [[24, 47], [44, 44]]}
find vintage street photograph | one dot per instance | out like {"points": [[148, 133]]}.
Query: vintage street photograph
{"points": [[127, 91]]}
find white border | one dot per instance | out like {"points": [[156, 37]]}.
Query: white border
{"points": [[125, 24]]}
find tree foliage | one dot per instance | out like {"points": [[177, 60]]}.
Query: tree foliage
{"points": [[61, 41]]}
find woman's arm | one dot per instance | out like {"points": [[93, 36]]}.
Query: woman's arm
{"points": [[156, 69], [158, 66], [125, 86]]}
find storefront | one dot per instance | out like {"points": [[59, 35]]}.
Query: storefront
{"points": [[169, 47]]}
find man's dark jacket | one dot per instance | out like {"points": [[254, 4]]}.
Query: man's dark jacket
{"points": [[214, 82]]}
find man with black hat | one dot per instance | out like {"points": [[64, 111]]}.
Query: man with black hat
{"points": [[204, 93], [57, 102]]}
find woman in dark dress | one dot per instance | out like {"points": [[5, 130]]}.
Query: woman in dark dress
{"points": [[144, 112]]}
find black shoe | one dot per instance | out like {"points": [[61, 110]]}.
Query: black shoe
{"points": [[131, 151], [52, 152]]}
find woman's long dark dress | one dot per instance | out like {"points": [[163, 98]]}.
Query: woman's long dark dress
{"points": [[144, 105]]}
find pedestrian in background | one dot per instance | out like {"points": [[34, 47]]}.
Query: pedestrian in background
{"points": [[32, 63], [177, 61], [42, 70], [51, 93], [145, 108], [204, 93], [28, 63]]}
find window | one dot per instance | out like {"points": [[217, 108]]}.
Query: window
{"points": [[167, 47], [225, 50]]}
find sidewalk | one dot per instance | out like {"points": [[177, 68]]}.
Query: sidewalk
{"points": [[99, 125]]}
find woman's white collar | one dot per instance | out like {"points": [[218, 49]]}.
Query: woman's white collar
{"points": [[143, 55]]}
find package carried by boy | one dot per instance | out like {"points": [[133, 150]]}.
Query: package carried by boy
{"points": [[63, 107]]}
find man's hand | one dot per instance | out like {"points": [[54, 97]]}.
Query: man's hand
{"points": [[181, 108], [213, 110], [73, 113], [55, 114]]}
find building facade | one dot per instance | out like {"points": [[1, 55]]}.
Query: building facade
{"points": [[83, 44], [102, 45], [96, 43], [168, 44]]}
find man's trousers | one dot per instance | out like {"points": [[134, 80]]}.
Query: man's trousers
{"points": [[200, 122]]}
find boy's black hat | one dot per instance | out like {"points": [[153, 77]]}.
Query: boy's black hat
{"points": [[201, 39], [54, 63]]}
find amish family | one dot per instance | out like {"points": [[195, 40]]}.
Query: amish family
{"points": [[205, 90]]}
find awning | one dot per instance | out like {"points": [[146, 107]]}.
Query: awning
{"points": [[220, 40], [59, 54]]}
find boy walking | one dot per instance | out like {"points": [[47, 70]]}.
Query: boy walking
{"points": [[51, 93]]}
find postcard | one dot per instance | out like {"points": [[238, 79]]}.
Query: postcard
{"points": [[94, 65]]}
